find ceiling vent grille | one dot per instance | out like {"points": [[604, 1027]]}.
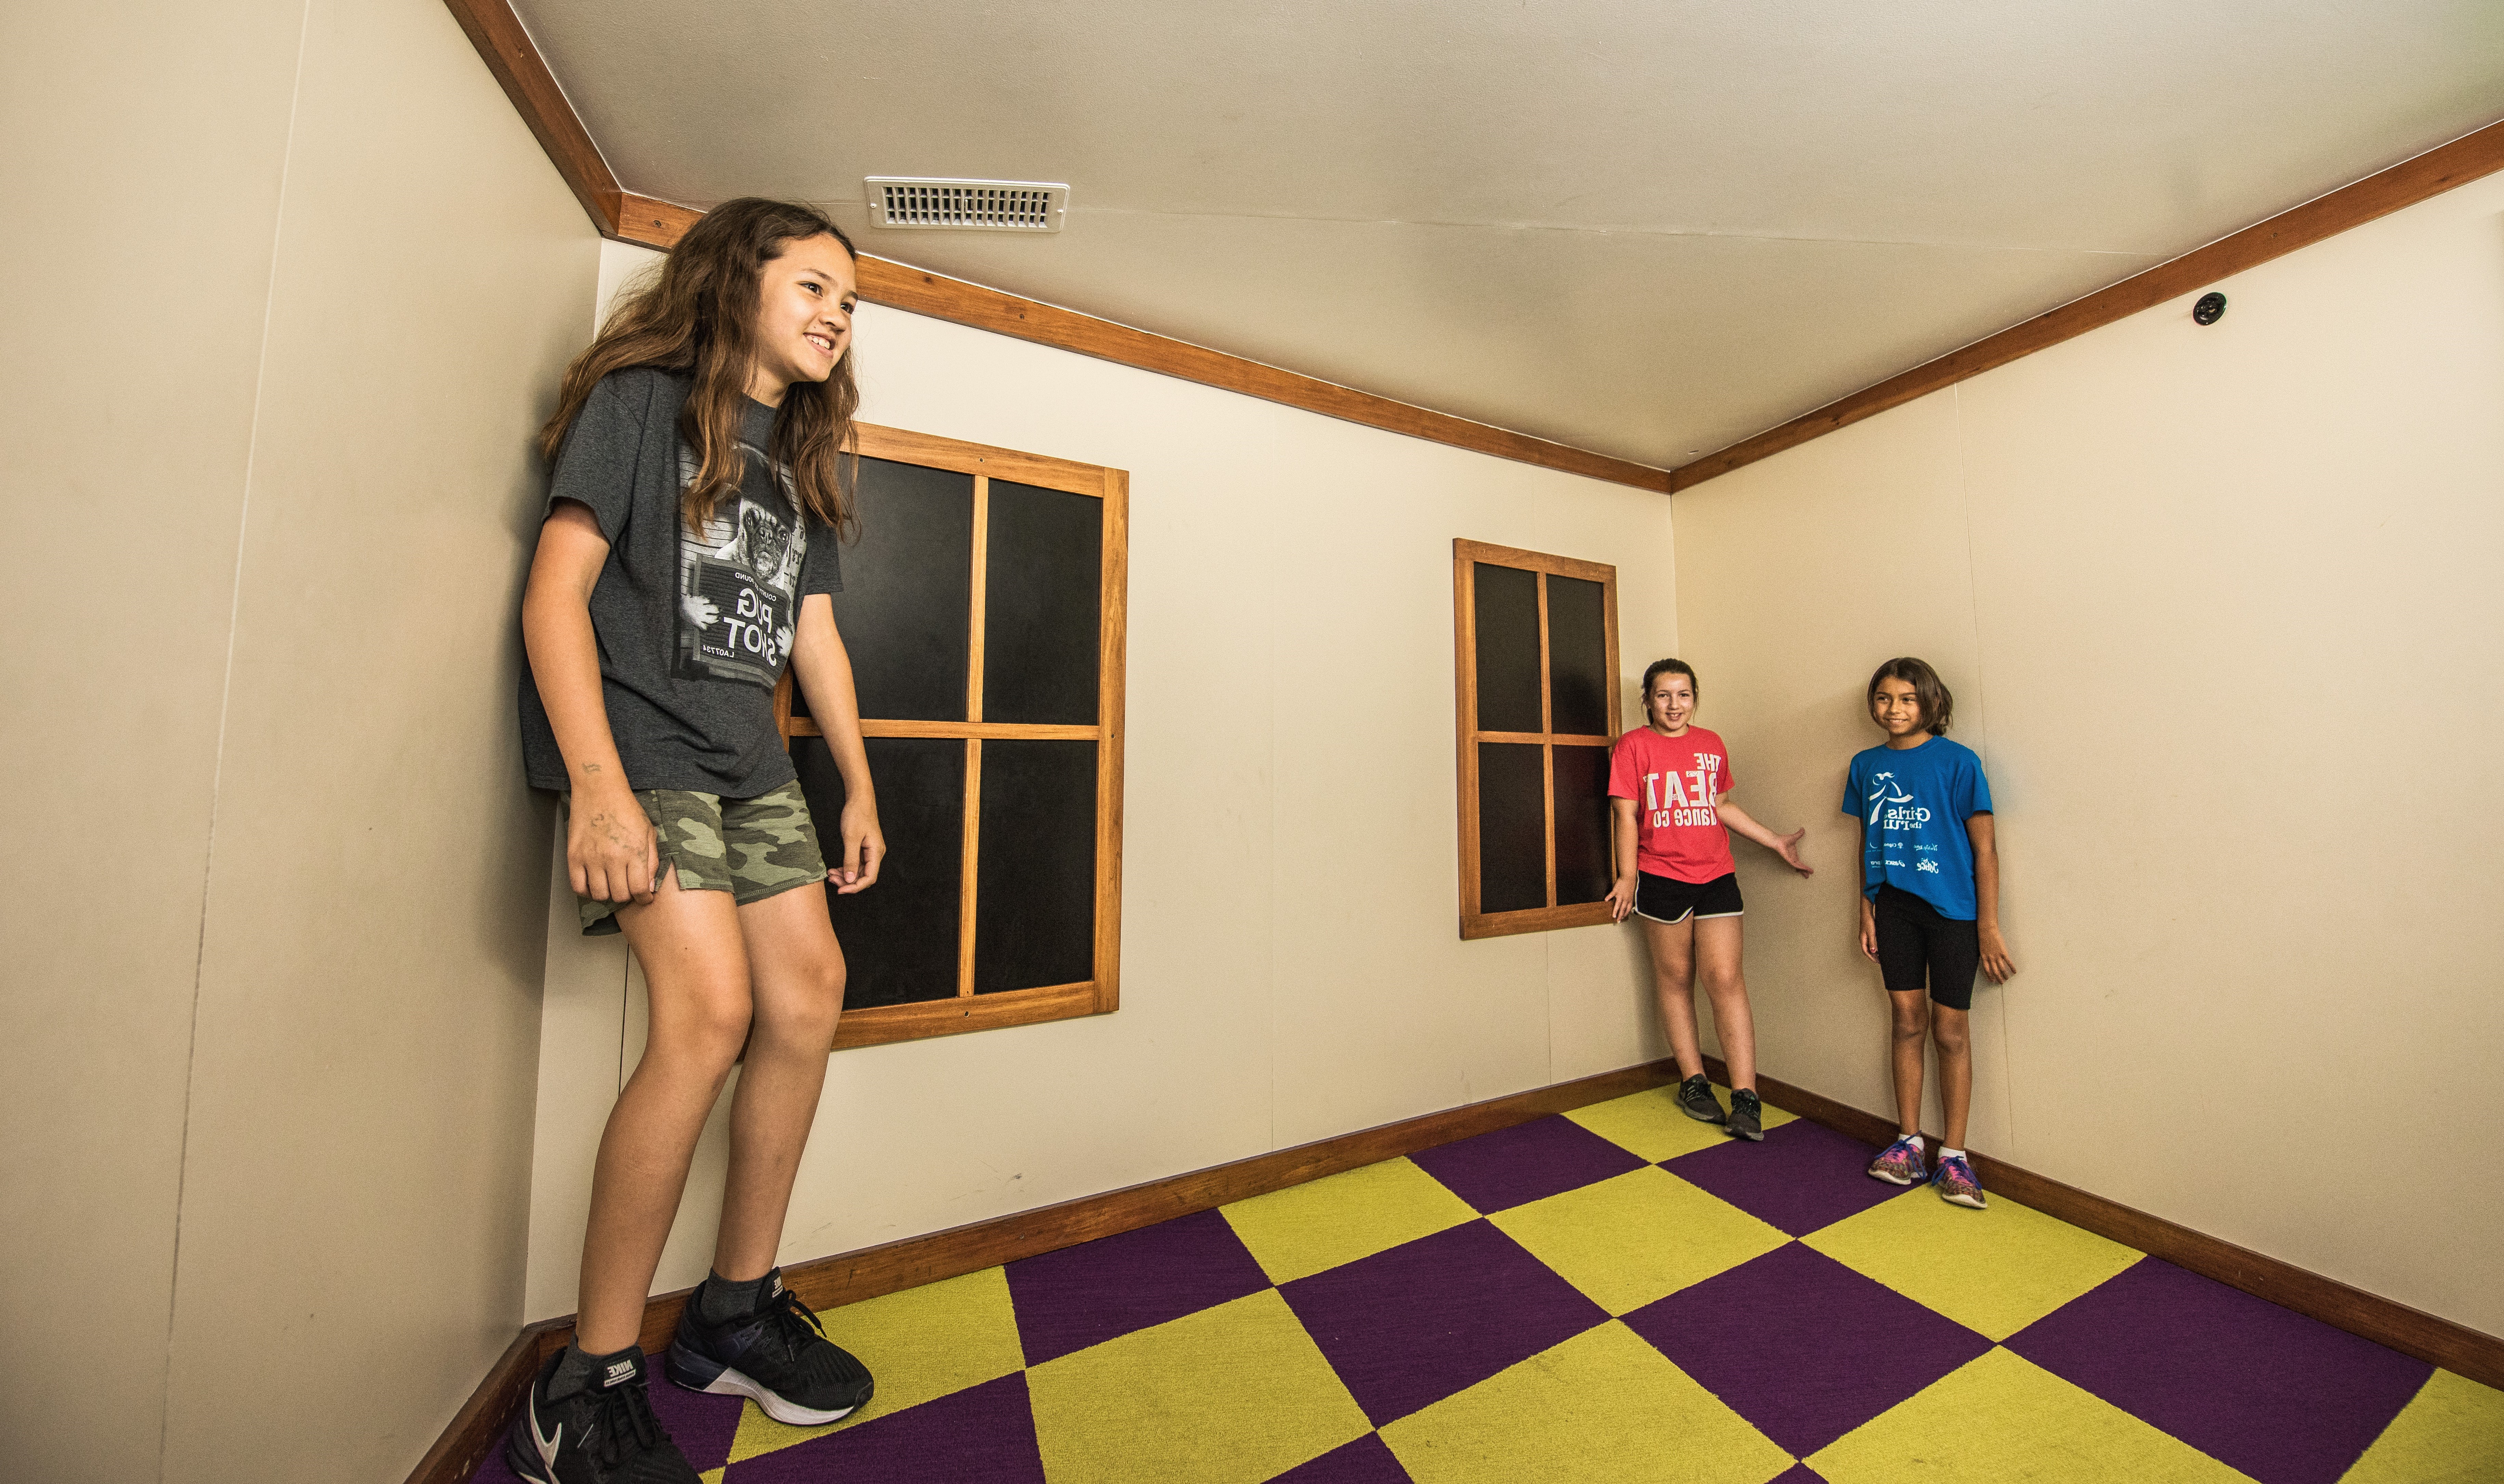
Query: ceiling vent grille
{"points": [[979, 206]]}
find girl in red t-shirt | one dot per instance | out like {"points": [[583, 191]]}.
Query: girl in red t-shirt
{"points": [[1669, 783]]}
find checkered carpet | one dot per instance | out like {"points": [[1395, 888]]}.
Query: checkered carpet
{"points": [[1620, 1294]]}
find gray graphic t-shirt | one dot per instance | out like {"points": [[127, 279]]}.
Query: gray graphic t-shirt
{"points": [[694, 629]]}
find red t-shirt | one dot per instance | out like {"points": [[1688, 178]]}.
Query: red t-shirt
{"points": [[1673, 781]]}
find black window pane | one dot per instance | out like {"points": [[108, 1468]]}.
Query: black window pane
{"points": [[1506, 616], [907, 603], [1042, 606], [1513, 826], [1584, 870], [899, 937], [1035, 895], [1578, 669]]}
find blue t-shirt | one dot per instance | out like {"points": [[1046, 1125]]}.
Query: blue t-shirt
{"points": [[1912, 803]]}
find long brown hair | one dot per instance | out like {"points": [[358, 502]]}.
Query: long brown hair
{"points": [[698, 317], [1937, 703]]}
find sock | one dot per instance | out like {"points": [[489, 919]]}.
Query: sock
{"points": [[721, 1300], [1946, 1152], [578, 1369]]}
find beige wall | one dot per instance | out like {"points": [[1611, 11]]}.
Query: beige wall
{"points": [[1291, 967], [287, 295], [2220, 609]]}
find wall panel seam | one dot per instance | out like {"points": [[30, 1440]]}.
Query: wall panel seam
{"points": [[1982, 693], [218, 763]]}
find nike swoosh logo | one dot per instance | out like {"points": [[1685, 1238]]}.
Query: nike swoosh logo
{"points": [[547, 1445]]}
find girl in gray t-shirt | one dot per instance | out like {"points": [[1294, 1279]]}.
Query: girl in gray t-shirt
{"points": [[685, 561]]}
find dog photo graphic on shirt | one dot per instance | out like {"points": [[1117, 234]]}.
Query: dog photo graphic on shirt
{"points": [[737, 585]]}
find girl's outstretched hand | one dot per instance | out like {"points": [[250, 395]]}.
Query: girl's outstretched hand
{"points": [[1787, 847], [1996, 961], [864, 847], [1621, 898]]}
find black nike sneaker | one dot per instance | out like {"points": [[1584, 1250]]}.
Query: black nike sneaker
{"points": [[601, 1430], [1695, 1097], [779, 1355], [1747, 1119]]}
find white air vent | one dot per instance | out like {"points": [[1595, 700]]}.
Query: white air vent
{"points": [[980, 206]]}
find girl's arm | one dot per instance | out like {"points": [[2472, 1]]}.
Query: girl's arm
{"points": [[1996, 961], [1621, 846], [1869, 908], [1785, 846], [825, 671], [611, 854]]}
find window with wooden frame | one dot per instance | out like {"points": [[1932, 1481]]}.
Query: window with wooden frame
{"points": [[1536, 661], [983, 608]]}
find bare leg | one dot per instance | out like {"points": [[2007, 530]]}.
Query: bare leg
{"points": [[1955, 1068], [1912, 1027], [696, 970], [1717, 957], [799, 988], [1673, 983]]}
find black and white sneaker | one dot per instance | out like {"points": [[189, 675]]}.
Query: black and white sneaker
{"points": [[600, 1431], [1747, 1119], [1695, 1098], [779, 1355]]}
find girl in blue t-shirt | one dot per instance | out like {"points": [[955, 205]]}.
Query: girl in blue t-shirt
{"points": [[1930, 906]]}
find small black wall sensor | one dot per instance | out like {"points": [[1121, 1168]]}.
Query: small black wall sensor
{"points": [[2210, 310]]}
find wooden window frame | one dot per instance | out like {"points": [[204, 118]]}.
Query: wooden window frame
{"points": [[1465, 555], [967, 1011]]}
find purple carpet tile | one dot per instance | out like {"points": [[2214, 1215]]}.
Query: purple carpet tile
{"points": [[701, 1426], [1798, 1474], [1084, 1296], [2285, 1398], [1802, 1346], [493, 1470], [1406, 1328], [984, 1432], [1366, 1461], [1802, 1178], [1526, 1163]]}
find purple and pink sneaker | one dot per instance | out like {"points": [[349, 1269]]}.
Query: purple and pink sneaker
{"points": [[1901, 1164], [1956, 1183]]}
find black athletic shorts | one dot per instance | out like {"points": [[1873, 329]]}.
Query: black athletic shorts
{"points": [[1667, 899], [1914, 940]]}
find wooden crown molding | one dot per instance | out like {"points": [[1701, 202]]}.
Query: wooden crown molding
{"points": [[2431, 174], [625, 217], [901, 285], [515, 59]]}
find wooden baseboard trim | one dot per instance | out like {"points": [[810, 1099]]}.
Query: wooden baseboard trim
{"points": [[479, 1425], [2410, 1331], [828, 1283], [849, 1277]]}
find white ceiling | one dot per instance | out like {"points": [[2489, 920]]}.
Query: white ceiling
{"points": [[1642, 226]]}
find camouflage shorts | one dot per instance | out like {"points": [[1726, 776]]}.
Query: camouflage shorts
{"points": [[752, 848]]}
